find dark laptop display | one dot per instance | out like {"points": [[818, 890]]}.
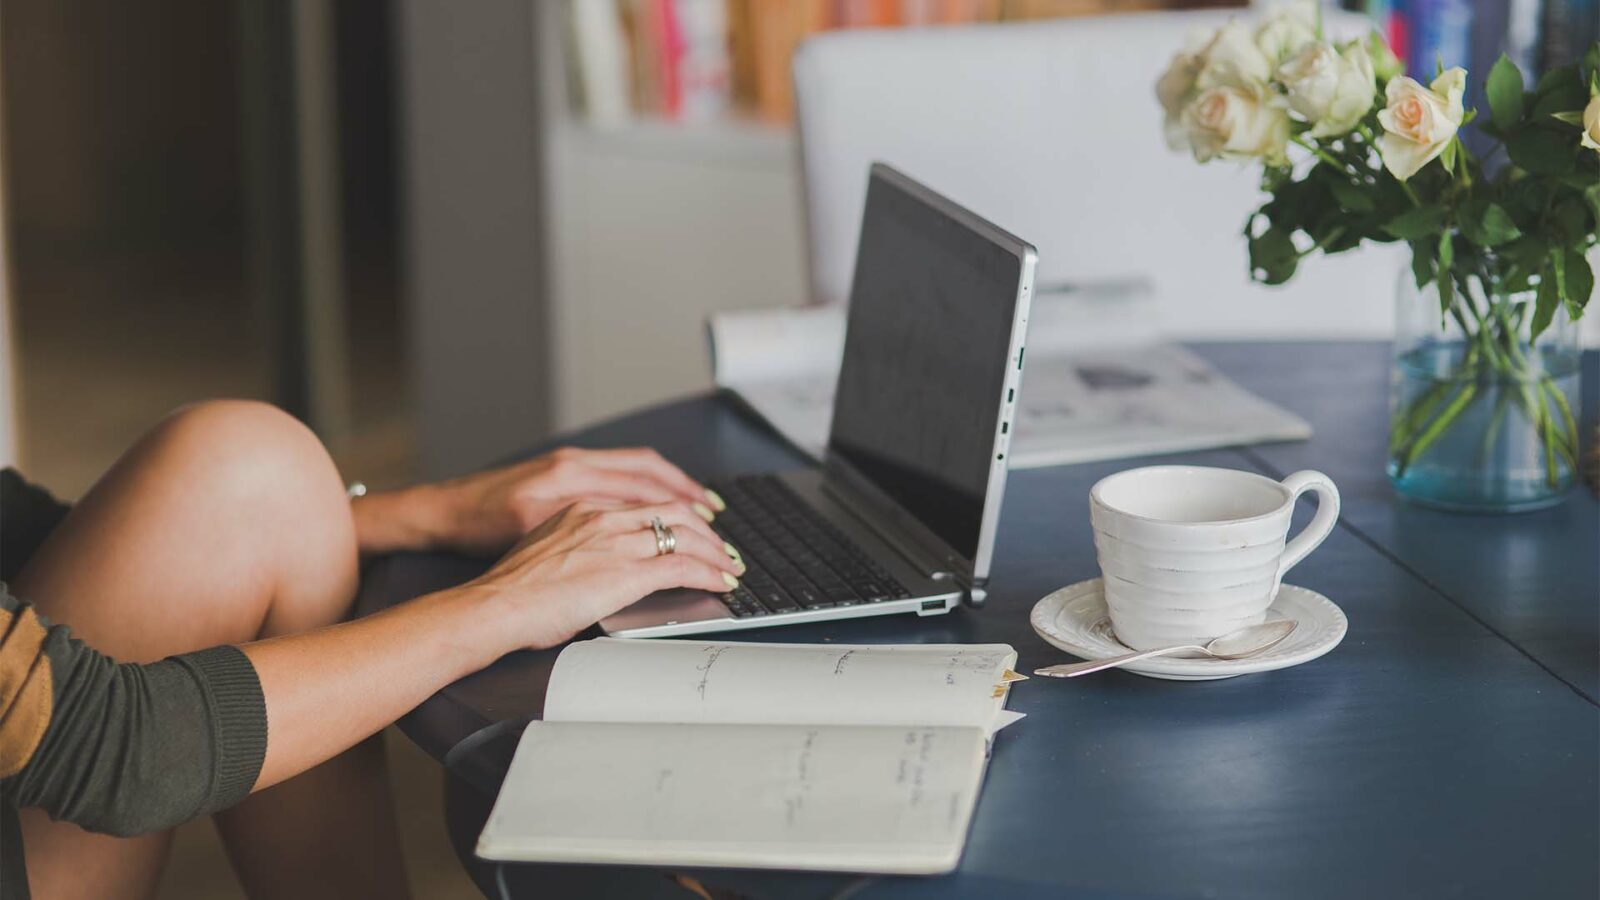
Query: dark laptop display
{"points": [[925, 355]]}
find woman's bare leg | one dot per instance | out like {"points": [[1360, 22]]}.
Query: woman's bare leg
{"points": [[225, 524]]}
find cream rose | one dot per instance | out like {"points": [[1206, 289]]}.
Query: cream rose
{"points": [[1287, 29], [1232, 58], [1174, 89], [1331, 89], [1237, 121], [1419, 121], [1591, 124]]}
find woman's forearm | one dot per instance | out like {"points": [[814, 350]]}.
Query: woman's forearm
{"points": [[326, 690]]}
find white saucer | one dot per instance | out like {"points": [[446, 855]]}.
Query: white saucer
{"points": [[1075, 620]]}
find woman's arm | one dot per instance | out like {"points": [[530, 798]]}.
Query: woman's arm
{"points": [[127, 748], [328, 689], [486, 512]]}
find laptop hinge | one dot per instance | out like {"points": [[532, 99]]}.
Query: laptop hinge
{"points": [[911, 550]]}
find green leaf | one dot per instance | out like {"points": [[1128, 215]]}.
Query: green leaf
{"points": [[1422, 262], [1351, 197], [1527, 251], [1559, 90], [1273, 257], [1579, 283], [1542, 151], [1504, 90], [1570, 117], [1555, 78], [1487, 224], [1447, 157], [1447, 285], [1570, 218], [1413, 224], [1544, 308]]}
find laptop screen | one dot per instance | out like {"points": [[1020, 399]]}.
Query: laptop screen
{"points": [[925, 356]]}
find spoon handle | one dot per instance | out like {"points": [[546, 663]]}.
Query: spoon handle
{"points": [[1073, 670]]}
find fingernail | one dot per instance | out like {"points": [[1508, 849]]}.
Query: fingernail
{"points": [[732, 551], [717, 503], [704, 512], [732, 582], [739, 566]]}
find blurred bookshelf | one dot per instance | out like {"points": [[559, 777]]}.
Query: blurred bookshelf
{"points": [[716, 72]]}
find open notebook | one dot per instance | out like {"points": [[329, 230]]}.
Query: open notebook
{"points": [[1098, 385], [786, 756]]}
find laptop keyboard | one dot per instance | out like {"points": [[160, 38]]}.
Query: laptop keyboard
{"points": [[796, 559]]}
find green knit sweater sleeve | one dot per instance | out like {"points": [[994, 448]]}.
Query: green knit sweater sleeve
{"points": [[122, 748]]}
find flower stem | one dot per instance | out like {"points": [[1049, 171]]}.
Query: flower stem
{"points": [[1322, 154], [1437, 427]]}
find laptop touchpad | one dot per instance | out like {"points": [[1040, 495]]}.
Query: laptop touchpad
{"points": [[666, 608]]}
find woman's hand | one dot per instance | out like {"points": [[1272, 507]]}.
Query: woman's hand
{"points": [[486, 512], [330, 687], [592, 559]]}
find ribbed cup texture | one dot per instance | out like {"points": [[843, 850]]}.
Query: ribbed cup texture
{"points": [[1191, 585]]}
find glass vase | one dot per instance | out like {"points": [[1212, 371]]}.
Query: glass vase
{"points": [[1481, 416]]}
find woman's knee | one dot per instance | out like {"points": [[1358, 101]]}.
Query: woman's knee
{"points": [[271, 468], [245, 446]]}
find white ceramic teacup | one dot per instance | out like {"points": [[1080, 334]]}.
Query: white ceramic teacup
{"points": [[1189, 553]]}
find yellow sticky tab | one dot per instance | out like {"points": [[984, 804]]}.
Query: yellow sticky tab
{"points": [[1011, 676]]}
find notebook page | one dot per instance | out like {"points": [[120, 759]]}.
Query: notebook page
{"points": [[878, 799], [616, 680]]}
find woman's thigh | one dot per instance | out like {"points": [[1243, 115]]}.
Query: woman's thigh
{"points": [[226, 523]]}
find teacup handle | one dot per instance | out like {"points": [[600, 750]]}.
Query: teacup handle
{"points": [[1321, 524]]}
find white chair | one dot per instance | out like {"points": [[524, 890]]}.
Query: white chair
{"points": [[1052, 130]]}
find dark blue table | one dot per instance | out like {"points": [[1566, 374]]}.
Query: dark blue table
{"points": [[1449, 747]]}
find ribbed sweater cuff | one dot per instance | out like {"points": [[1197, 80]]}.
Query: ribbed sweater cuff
{"points": [[239, 720]]}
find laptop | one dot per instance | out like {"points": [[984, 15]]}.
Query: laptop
{"points": [[901, 514]]}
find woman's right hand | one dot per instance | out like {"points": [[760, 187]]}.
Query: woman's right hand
{"points": [[592, 559]]}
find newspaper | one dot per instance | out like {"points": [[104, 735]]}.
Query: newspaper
{"points": [[1098, 383]]}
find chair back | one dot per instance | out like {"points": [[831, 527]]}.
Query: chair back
{"points": [[1052, 130]]}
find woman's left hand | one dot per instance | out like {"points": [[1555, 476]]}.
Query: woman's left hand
{"points": [[485, 512]]}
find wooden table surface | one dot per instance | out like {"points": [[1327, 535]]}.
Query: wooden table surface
{"points": [[1449, 747]]}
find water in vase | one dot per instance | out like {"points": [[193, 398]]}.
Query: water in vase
{"points": [[1497, 453]]}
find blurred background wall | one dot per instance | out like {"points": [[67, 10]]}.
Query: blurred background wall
{"points": [[131, 208]]}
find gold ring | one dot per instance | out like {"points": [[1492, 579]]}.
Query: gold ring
{"points": [[666, 541]]}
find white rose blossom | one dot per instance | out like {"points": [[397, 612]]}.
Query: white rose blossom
{"points": [[1232, 58], [1175, 88], [1591, 124], [1287, 28], [1240, 120], [1333, 90], [1419, 122]]}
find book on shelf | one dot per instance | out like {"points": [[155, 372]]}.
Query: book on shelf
{"points": [[752, 755], [693, 60], [1099, 384]]}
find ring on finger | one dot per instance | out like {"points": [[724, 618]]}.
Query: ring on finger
{"points": [[666, 541]]}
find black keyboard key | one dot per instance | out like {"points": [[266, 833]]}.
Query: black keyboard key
{"points": [[775, 599], [873, 591]]}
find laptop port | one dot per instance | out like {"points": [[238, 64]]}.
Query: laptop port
{"points": [[929, 605]]}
